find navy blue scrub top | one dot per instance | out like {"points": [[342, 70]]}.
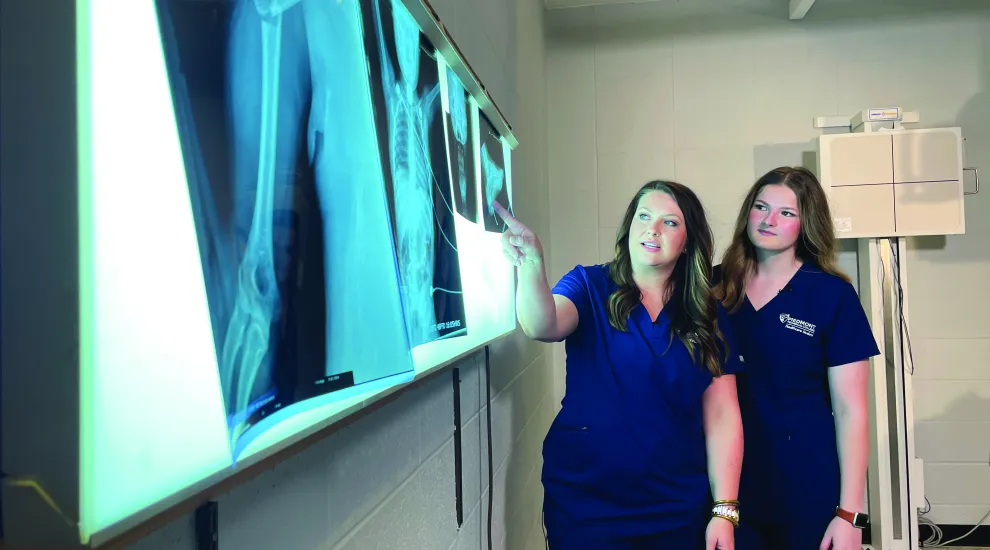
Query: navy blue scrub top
{"points": [[791, 463], [627, 448]]}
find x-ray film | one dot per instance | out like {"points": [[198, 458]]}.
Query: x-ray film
{"points": [[277, 125], [406, 90], [494, 179], [279, 222], [459, 135]]}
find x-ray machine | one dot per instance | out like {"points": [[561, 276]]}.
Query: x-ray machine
{"points": [[885, 184]]}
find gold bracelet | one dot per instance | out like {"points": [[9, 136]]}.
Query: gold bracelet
{"points": [[727, 512]]}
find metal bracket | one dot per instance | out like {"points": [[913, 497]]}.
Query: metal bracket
{"points": [[976, 175], [207, 526]]}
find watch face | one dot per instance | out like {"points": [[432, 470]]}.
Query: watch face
{"points": [[861, 520]]}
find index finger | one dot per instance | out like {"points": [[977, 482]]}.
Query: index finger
{"points": [[510, 220]]}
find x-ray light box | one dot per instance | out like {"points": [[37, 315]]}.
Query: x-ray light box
{"points": [[285, 213]]}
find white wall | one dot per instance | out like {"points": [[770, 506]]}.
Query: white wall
{"points": [[715, 103], [387, 481]]}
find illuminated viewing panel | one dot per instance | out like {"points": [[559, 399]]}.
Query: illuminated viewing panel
{"points": [[285, 211]]}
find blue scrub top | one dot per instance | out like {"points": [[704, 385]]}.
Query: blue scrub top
{"points": [[627, 448], [791, 464]]}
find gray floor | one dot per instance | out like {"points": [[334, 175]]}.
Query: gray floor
{"points": [[950, 547]]}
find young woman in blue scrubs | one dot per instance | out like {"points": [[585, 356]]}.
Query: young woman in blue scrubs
{"points": [[646, 450], [807, 344]]}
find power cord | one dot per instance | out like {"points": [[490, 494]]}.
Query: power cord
{"points": [[488, 414], [491, 474], [902, 321], [904, 336], [934, 540]]}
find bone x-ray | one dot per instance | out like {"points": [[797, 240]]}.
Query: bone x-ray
{"points": [[494, 184], [405, 79], [321, 193], [460, 131]]}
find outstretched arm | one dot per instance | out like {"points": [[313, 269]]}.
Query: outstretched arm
{"points": [[543, 316]]}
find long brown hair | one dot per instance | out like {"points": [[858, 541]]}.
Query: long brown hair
{"points": [[688, 299], [816, 244]]}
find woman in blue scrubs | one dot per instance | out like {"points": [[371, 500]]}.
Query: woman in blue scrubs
{"points": [[807, 344], [646, 450]]}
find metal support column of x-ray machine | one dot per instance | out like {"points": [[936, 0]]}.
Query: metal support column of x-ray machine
{"points": [[885, 184]]}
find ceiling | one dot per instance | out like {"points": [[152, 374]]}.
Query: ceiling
{"points": [[672, 6], [694, 13]]}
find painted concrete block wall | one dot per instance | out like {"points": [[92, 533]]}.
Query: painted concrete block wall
{"points": [[387, 481], [716, 103]]}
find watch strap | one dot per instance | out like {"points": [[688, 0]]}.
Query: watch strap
{"points": [[856, 519]]}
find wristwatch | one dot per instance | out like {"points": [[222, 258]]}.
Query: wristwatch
{"points": [[858, 520]]}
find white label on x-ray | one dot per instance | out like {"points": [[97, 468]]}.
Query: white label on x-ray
{"points": [[843, 225]]}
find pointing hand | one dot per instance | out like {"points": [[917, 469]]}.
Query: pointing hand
{"points": [[519, 244]]}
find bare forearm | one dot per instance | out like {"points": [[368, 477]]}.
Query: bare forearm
{"points": [[724, 439], [853, 440], [535, 306]]}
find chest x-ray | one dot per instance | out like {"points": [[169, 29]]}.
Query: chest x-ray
{"points": [[325, 232]]}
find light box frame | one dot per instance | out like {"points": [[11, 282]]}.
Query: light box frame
{"points": [[40, 496]]}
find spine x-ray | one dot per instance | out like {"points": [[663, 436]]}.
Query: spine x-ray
{"points": [[326, 239], [494, 185], [405, 76]]}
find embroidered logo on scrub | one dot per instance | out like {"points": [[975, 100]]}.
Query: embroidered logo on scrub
{"points": [[797, 325]]}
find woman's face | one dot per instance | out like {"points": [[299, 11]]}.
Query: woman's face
{"points": [[657, 234], [774, 220]]}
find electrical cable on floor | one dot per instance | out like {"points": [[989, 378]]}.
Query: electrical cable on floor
{"points": [[935, 539], [488, 414]]}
